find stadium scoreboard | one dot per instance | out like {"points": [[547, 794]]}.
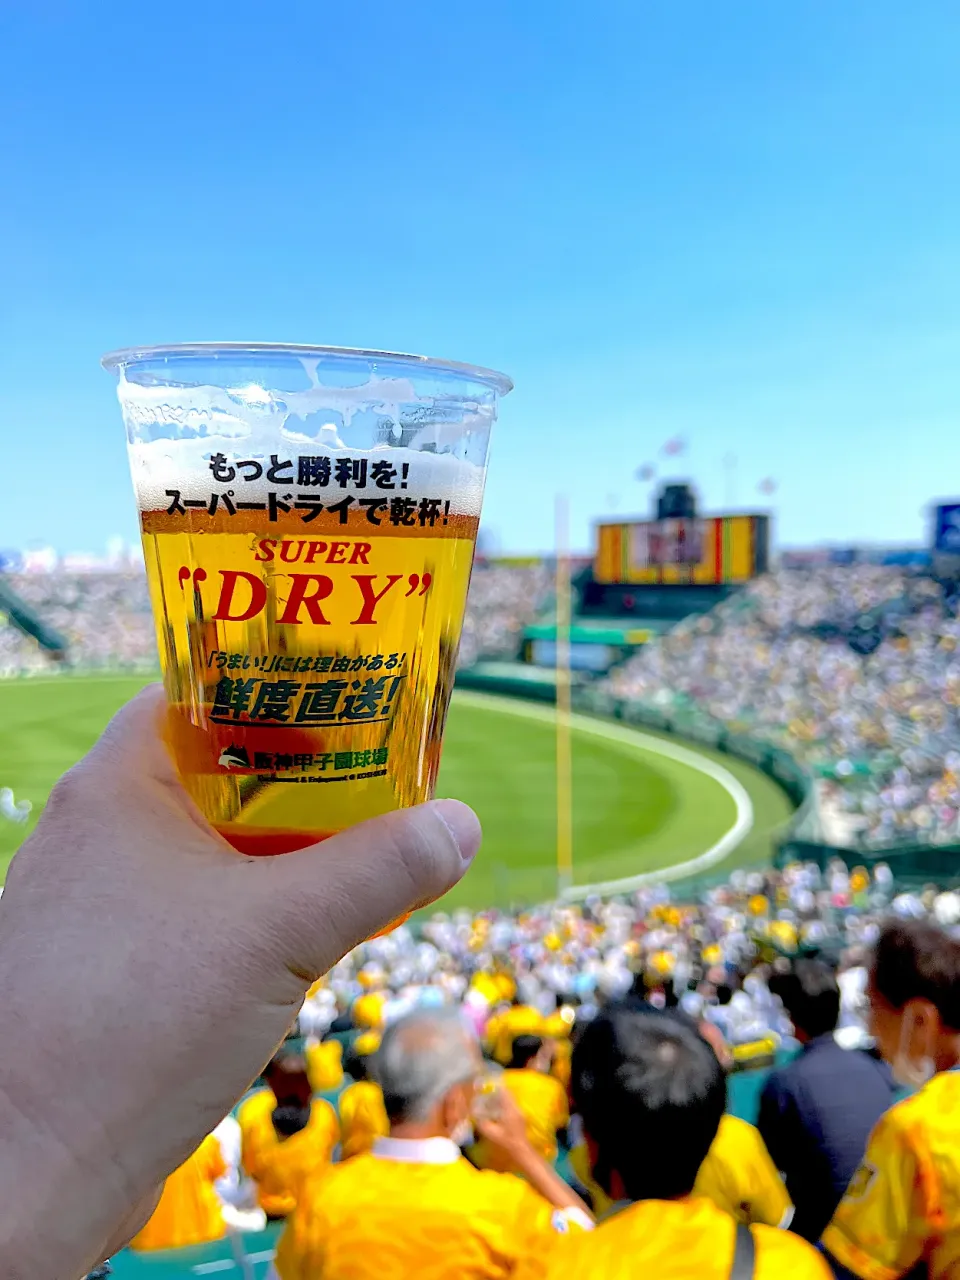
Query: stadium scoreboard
{"points": [[700, 551]]}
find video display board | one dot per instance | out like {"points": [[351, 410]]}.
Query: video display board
{"points": [[704, 551]]}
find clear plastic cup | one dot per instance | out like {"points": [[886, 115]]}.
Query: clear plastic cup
{"points": [[309, 516]]}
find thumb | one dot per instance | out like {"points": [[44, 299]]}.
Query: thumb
{"points": [[318, 903]]}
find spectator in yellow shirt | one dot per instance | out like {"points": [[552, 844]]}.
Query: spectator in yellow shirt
{"points": [[651, 1095], [367, 1011], [901, 1212], [324, 1060], [188, 1211], [253, 1117], [413, 1207], [503, 1028], [285, 1136], [363, 1117], [738, 1176], [541, 1098]]}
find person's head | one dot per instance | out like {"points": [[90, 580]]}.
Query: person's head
{"points": [[290, 1119], [651, 1093], [724, 993], [356, 1064], [914, 994], [811, 997], [427, 1067], [286, 1075], [638, 986], [530, 1051]]}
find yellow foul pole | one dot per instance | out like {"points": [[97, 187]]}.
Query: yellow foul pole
{"points": [[564, 756]]}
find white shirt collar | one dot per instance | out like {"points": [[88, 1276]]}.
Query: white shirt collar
{"points": [[417, 1150]]}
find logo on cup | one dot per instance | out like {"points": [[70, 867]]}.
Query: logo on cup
{"points": [[234, 757]]}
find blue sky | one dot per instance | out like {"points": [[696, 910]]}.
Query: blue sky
{"points": [[734, 222]]}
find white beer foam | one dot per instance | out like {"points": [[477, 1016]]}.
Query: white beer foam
{"points": [[183, 466]]}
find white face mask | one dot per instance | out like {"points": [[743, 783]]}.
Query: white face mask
{"points": [[909, 1072], [463, 1135]]}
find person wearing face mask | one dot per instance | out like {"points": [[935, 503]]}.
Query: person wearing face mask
{"points": [[413, 1206], [901, 1212]]}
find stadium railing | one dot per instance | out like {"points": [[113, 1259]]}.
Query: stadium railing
{"points": [[912, 865], [509, 680], [246, 1256]]}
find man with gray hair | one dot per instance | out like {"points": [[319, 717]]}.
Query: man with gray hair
{"points": [[414, 1206]]}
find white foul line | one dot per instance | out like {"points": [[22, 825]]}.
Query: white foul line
{"points": [[657, 746]]}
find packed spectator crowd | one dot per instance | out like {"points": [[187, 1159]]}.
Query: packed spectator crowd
{"points": [[714, 955], [780, 661], [591, 1019], [471, 1095], [20, 655], [104, 617], [503, 600]]}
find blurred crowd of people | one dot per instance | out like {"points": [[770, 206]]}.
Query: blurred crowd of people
{"points": [[503, 600], [104, 617], [780, 662], [714, 955], [471, 1095], [20, 655]]}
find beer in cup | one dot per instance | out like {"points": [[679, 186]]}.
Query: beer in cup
{"points": [[309, 517]]}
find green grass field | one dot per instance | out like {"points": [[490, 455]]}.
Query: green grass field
{"points": [[635, 809]]}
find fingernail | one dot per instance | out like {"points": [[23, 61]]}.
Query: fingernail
{"points": [[463, 825]]}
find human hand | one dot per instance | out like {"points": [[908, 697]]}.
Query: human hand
{"points": [[498, 1119], [714, 1037], [147, 972]]}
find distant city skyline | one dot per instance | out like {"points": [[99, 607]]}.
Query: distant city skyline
{"points": [[732, 226]]}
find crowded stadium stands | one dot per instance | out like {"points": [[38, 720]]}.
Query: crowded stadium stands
{"points": [[784, 661], [853, 669], [105, 617], [503, 600], [526, 984]]}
